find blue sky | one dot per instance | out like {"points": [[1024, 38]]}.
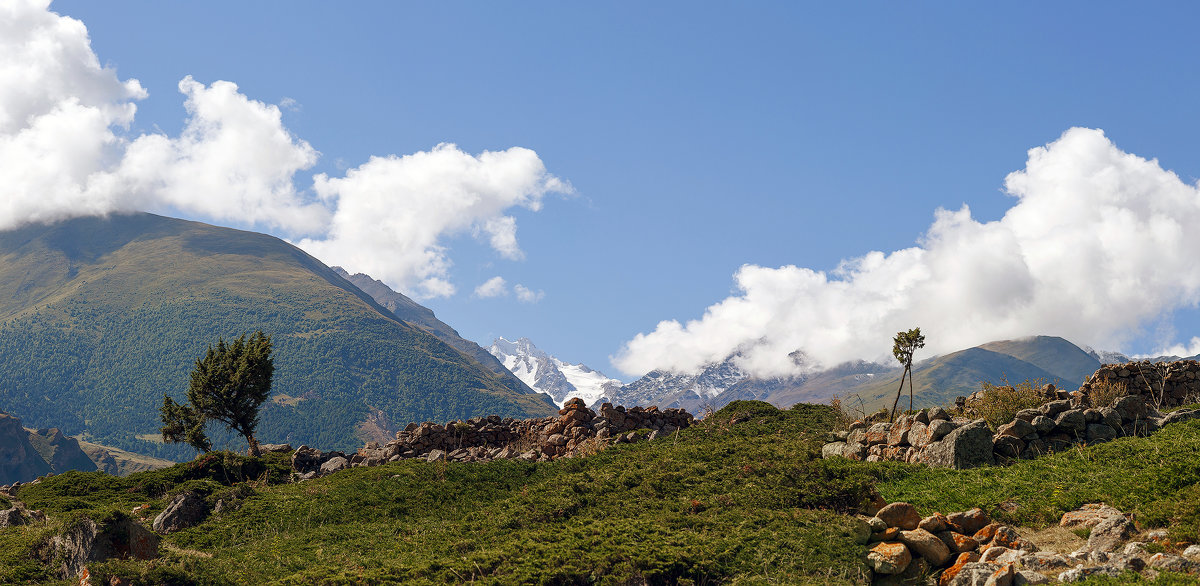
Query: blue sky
{"points": [[698, 137]]}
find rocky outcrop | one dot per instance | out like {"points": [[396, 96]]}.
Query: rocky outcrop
{"points": [[87, 541], [575, 430], [187, 509], [19, 461]]}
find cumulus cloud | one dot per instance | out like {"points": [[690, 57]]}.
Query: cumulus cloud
{"points": [[65, 152], [392, 213], [493, 287], [527, 295], [1099, 243]]}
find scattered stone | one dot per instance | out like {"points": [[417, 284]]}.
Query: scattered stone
{"points": [[957, 542], [186, 509], [334, 464], [889, 557], [902, 515], [935, 523], [926, 545], [1088, 516], [1077, 574], [969, 522], [1109, 533]]}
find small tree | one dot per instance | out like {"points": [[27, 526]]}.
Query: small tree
{"points": [[229, 385], [903, 347]]}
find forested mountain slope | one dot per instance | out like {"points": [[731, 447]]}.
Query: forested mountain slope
{"points": [[100, 316]]}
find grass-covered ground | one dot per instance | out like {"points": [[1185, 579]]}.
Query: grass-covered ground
{"points": [[740, 498], [722, 502]]}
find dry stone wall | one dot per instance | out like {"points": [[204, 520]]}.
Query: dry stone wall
{"points": [[1163, 384], [574, 430], [933, 437]]}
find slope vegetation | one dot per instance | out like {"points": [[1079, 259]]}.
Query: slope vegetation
{"points": [[100, 317]]}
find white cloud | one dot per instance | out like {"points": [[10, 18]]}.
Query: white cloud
{"points": [[527, 295], [64, 153], [58, 111], [392, 213], [233, 162], [1100, 243], [493, 287]]}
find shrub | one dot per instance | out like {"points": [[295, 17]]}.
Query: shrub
{"points": [[1104, 392], [998, 404]]}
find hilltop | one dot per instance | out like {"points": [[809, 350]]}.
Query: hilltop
{"points": [[100, 316]]}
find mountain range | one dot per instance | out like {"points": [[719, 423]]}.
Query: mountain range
{"points": [[860, 384], [99, 317], [546, 374]]}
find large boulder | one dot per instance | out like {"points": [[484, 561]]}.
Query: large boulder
{"points": [[187, 509], [966, 447], [86, 541]]}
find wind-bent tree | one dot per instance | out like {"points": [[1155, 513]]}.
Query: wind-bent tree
{"points": [[903, 347], [228, 385]]}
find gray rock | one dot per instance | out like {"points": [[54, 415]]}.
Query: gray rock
{"points": [[938, 413], [1099, 432], [981, 574], [1071, 420], [1024, 577], [966, 447], [1078, 574], [271, 448], [1053, 408], [1017, 428], [938, 429], [11, 517], [186, 509], [307, 459], [1042, 424], [1007, 446], [84, 542], [334, 464], [436, 455], [1109, 534], [1028, 414], [1111, 417], [1131, 408]]}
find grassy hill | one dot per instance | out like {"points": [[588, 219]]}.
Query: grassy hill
{"points": [[742, 497], [739, 498], [938, 380], [100, 316]]}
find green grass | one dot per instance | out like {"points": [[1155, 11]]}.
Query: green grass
{"points": [[1154, 478], [740, 498], [722, 502]]}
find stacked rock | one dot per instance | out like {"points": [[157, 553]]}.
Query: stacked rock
{"points": [[1166, 384], [905, 547], [932, 437], [487, 438]]}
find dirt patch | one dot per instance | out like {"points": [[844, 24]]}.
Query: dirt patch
{"points": [[1053, 538]]}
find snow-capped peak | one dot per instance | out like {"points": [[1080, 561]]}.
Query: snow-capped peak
{"points": [[547, 374]]}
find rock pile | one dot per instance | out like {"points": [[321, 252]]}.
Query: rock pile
{"points": [[933, 437], [968, 548], [485, 438], [1165, 384]]}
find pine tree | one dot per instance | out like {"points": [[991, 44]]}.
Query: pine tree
{"points": [[228, 385]]}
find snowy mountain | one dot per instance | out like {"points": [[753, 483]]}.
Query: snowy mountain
{"points": [[693, 392], [547, 374]]}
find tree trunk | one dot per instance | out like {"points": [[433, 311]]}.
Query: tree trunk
{"points": [[254, 451], [899, 391], [908, 369]]}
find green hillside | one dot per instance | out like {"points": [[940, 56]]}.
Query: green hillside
{"points": [[100, 317], [1050, 353], [938, 380]]}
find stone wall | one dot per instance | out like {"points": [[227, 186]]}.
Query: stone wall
{"points": [[575, 429], [1164, 384], [933, 437]]}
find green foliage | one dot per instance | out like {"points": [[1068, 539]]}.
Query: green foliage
{"points": [[998, 404], [229, 385], [740, 497], [904, 345]]}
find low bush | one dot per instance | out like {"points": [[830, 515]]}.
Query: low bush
{"points": [[998, 404]]}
